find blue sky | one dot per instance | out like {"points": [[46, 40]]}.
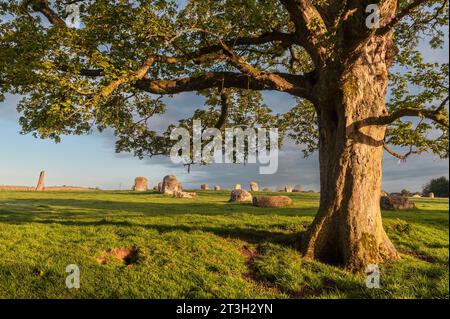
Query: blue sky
{"points": [[91, 160]]}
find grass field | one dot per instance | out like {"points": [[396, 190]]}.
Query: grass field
{"points": [[200, 248]]}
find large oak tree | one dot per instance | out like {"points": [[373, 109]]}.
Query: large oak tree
{"points": [[112, 69]]}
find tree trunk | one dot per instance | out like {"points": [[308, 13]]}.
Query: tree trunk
{"points": [[348, 229]]}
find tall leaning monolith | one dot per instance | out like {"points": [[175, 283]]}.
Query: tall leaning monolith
{"points": [[40, 184]]}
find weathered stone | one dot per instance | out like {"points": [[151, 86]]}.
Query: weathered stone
{"points": [[254, 187], [297, 188], [178, 194], [237, 186], [240, 195], [40, 184], [431, 195], [417, 196], [159, 187], [204, 187], [288, 189], [170, 185], [396, 203], [272, 201], [217, 188], [383, 193], [140, 184], [266, 189]]}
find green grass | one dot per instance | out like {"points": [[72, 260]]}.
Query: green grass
{"points": [[200, 248]]}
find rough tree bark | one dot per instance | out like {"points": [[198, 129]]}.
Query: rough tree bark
{"points": [[348, 229]]}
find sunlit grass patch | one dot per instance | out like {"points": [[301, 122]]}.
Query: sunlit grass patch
{"points": [[200, 248]]}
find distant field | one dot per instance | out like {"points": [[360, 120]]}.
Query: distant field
{"points": [[200, 248], [49, 188]]}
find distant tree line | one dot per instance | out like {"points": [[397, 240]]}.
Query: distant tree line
{"points": [[438, 186]]}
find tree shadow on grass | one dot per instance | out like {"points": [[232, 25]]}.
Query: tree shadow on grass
{"points": [[249, 234], [98, 208], [436, 219], [96, 212], [88, 213], [30, 210]]}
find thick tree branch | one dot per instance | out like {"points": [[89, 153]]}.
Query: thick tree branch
{"points": [[301, 84], [395, 154], [43, 7], [156, 58], [84, 71], [435, 115], [278, 81], [209, 53], [224, 105], [401, 15], [251, 78], [309, 24], [113, 85], [264, 38]]}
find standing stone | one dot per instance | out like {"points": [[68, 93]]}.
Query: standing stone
{"points": [[237, 186], [431, 195], [266, 189], [40, 184], [159, 187], [297, 189], [140, 184], [240, 195], [254, 187], [288, 189], [271, 201], [170, 185], [217, 188], [396, 203], [177, 194], [204, 187]]}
